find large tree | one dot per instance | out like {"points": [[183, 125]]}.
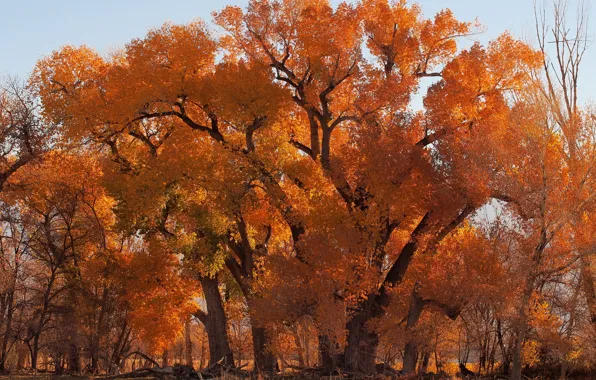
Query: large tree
{"points": [[296, 159]]}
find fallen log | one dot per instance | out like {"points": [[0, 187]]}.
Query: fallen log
{"points": [[139, 372], [144, 356], [181, 372]]}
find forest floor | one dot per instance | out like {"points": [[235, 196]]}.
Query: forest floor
{"points": [[55, 377]]}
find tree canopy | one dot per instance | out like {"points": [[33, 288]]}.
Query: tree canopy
{"points": [[271, 171]]}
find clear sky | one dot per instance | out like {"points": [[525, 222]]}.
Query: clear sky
{"points": [[31, 29]]}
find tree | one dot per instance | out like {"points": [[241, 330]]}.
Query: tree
{"points": [[23, 134], [306, 174]]}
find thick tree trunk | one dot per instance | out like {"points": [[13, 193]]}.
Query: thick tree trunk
{"points": [[516, 368], [242, 272], [411, 349], [361, 348], [216, 324], [329, 359], [264, 359]]}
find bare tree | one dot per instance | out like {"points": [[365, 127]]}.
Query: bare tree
{"points": [[23, 134]]}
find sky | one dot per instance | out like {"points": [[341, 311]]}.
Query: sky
{"points": [[32, 29]]}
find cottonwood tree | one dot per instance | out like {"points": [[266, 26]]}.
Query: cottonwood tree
{"points": [[297, 120], [24, 135]]}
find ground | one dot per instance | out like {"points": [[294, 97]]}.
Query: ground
{"points": [[54, 377]]}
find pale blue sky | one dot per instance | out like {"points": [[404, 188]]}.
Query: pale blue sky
{"points": [[31, 29]]}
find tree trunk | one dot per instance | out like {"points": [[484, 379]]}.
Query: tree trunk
{"points": [[264, 359], [74, 359], [22, 354], [119, 346], [505, 351], [438, 364], [423, 369], [35, 351], [571, 324], [517, 356], [299, 347], [188, 344], [165, 358], [216, 324], [589, 289], [521, 330], [411, 349], [97, 331], [361, 348], [328, 354], [7, 330], [202, 354]]}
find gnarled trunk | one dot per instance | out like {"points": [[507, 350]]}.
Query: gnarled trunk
{"points": [[216, 324], [411, 350], [361, 348]]}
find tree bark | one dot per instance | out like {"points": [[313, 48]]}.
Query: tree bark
{"points": [[97, 331], [35, 351], [74, 359], [328, 355], [411, 349], [521, 330], [299, 347], [165, 358], [7, 330], [589, 288], [216, 324], [188, 344], [423, 369], [361, 348], [505, 351], [264, 359], [120, 345]]}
